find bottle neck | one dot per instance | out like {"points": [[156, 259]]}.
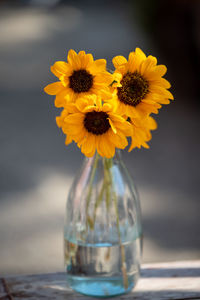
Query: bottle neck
{"points": [[115, 158]]}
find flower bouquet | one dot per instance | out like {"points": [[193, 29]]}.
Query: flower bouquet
{"points": [[101, 109]]}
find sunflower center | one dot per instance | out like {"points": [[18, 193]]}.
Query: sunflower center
{"points": [[96, 122], [134, 88], [81, 81]]}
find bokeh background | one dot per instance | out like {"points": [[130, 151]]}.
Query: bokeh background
{"points": [[36, 169]]}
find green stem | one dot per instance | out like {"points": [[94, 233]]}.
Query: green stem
{"points": [[99, 200], [108, 181], [90, 189], [105, 187], [123, 257]]}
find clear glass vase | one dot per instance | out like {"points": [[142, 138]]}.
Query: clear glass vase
{"points": [[103, 233]]}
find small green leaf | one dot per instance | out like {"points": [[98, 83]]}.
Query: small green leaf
{"points": [[90, 223]]}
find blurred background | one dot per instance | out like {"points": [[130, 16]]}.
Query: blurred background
{"points": [[36, 169]]}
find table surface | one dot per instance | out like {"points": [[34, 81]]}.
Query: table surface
{"points": [[176, 280]]}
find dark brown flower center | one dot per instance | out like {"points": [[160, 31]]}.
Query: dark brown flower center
{"points": [[96, 122], [81, 81], [134, 88]]}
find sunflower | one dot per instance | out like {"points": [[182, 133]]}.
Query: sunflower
{"points": [[95, 126], [141, 131], [81, 75], [139, 88]]}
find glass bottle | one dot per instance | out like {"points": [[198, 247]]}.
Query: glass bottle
{"points": [[102, 233]]}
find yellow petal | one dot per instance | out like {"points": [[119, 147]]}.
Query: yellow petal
{"points": [[161, 82], [68, 140], [55, 72], [72, 129], [135, 59], [149, 101], [89, 146], [98, 102], [81, 53], [59, 121], [148, 108], [162, 92], [148, 64], [61, 67], [126, 129], [109, 148], [140, 53], [89, 108], [163, 101], [112, 126], [132, 62], [98, 145], [100, 64], [117, 77], [152, 60], [116, 118], [119, 60], [105, 93], [75, 118], [152, 124], [120, 141], [106, 107], [82, 59], [71, 108], [83, 102], [61, 98], [85, 59], [161, 70], [106, 147], [54, 88], [145, 145], [89, 59], [131, 111], [81, 137], [103, 77], [72, 56]]}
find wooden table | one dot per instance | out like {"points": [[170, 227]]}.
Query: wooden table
{"points": [[177, 280]]}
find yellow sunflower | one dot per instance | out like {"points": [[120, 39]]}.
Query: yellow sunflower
{"points": [[139, 87], [81, 75], [95, 126], [141, 131]]}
